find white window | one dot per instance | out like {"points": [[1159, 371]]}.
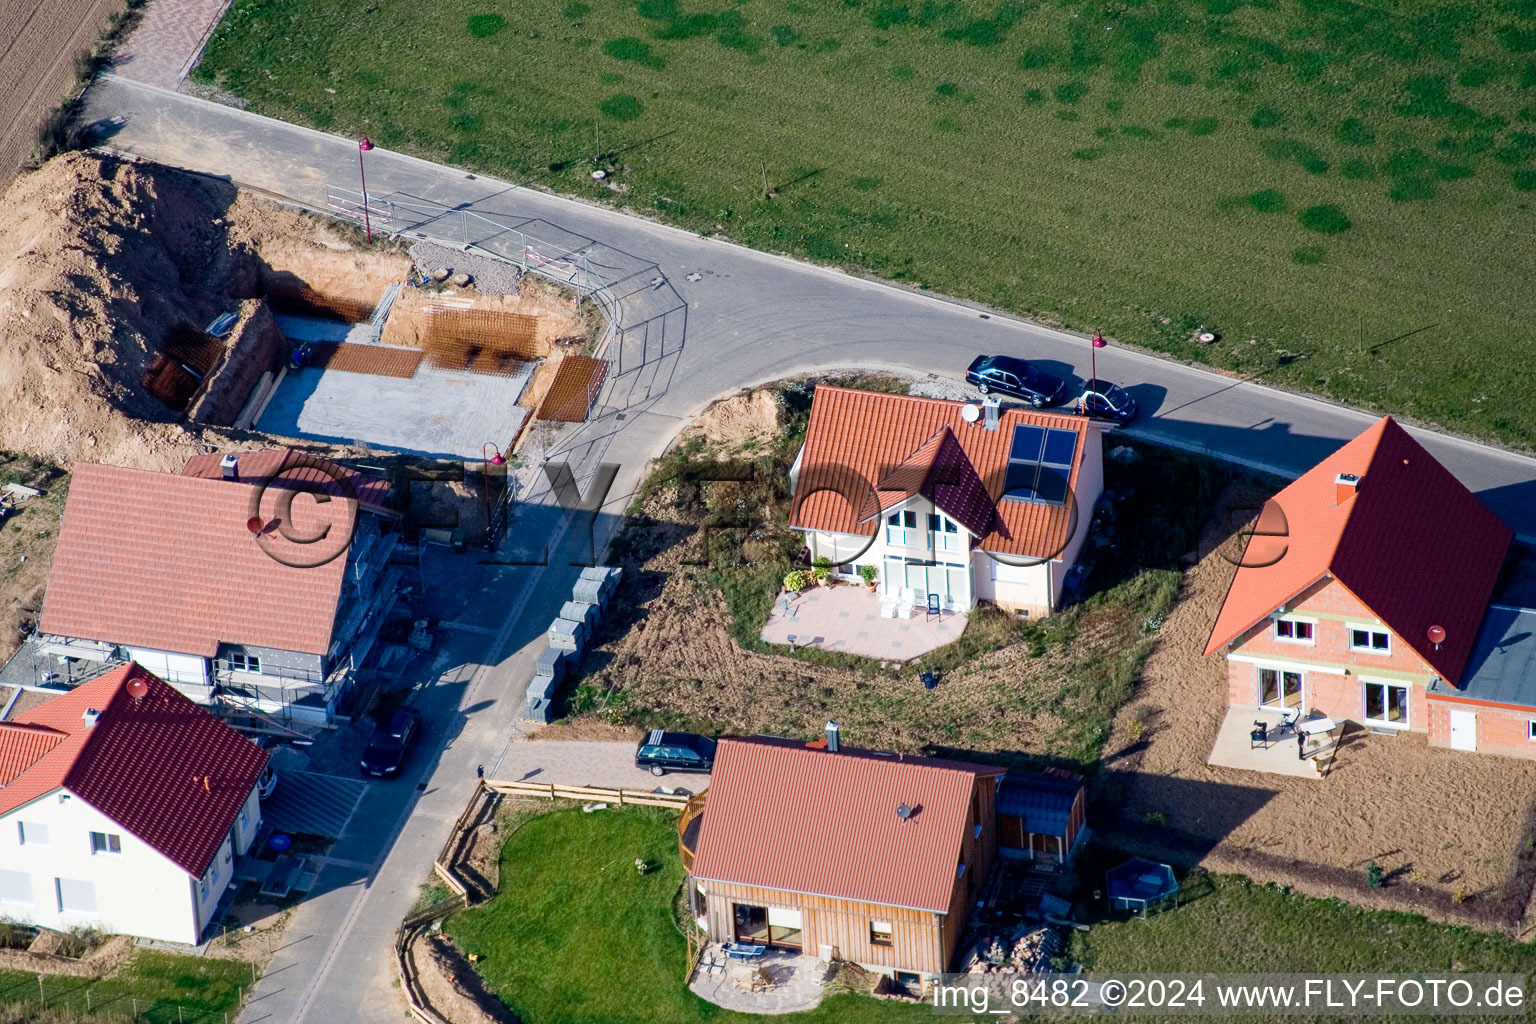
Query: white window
{"points": [[106, 842], [245, 818], [202, 886], [15, 887], [244, 662], [880, 933], [1002, 572], [74, 896], [901, 529], [32, 833], [1530, 729], [1296, 631], [1370, 640]]}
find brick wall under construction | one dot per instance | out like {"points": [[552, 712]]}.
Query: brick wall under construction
{"points": [[484, 340]]}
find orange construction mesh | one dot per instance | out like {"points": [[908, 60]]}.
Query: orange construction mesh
{"points": [[577, 382], [178, 369], [302, 300], [377, 360], [482, 340]]}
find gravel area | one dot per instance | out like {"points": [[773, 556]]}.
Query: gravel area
{"points": [[490, 275]]}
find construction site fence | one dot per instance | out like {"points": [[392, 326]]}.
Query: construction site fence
{"points": [[77, 995], [484, 235], [554, 791]]}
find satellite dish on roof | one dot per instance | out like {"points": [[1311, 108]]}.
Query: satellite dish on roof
{"points": [[970, 412], [255, 525], [1436, 635], [137, 688], [904, 812]]}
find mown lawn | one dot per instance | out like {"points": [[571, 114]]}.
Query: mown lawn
{"points": [[1342, 189], [576, 936], [159, 987], [1232, 925]]}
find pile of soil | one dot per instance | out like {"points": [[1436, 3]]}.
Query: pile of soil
{"points": [[452, 986], [742, 420], [100, 259]]}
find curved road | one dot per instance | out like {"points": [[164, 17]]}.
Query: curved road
{"points": [[702, 318]]}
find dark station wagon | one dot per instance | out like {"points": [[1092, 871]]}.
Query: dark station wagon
{"points": [[664, 752], [1006, 375]]}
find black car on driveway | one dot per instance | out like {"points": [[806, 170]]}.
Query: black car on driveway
{"points": [[1105, 401], [664, 752], [391, 742], [1006, 375]]}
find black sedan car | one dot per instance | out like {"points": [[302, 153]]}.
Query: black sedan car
{"points": [[1105, 401], [392, 740], [1006, 375], [664, 752]]}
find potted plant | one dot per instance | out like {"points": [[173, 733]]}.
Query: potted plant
{"points": [[821, 569], [869, 573]]}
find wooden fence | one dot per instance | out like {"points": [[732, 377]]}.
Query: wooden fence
{"points": [[417, 923]]}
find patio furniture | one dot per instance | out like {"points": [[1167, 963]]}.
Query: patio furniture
{"points": [[754, 980], [933, 606], [1259, 737], [747, 952]]}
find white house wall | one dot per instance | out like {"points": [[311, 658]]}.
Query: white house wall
{"points": [[137, 892]]}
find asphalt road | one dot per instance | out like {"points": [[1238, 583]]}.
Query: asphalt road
{"points": [[752, 317], [741, 317]]}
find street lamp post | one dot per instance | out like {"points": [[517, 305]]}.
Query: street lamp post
{"points": [[1098, 343], [364, 146]]}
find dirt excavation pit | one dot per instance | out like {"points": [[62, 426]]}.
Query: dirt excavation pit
{"points": [[451, 985], [1452, 831]]}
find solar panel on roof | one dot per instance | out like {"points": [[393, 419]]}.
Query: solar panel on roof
{"points": [[1039, 465]]}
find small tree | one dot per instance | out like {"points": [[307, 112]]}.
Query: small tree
{"points": [[1374, 875]]}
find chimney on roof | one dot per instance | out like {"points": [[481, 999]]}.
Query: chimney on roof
{"points": [[1345, 486], [229, 465], [832, 730], [90, 716], [989, 406]]}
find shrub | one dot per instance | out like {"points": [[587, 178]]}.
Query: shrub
{"points": [[796, 580], [1326, 219], [1374, 875]]}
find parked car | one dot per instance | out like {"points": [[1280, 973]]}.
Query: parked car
{"points": [[1105, 401], [1019, 378], [391, 742], [267, 782], [664, 752]]}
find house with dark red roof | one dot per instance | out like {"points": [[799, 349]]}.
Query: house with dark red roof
{"points": [[122, 808], [840, 853], [963, 502], [253, 579], [1364, 593]]}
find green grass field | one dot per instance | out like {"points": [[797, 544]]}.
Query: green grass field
{"points": [[575, 936], [1343, 190], [1232, 925], [156, 988]]}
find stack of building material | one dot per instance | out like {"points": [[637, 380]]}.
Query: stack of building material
{"points": [[586, 614], [596, 585], [567, 634], [547, 675]]}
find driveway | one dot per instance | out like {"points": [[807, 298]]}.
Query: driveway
{"points": [[585, 763]]}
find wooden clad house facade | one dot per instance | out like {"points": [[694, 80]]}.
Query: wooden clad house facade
{"points": [[803, 848]]}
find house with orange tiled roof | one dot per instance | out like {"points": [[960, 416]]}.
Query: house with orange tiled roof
{"points": [[122, 808], [841, 853], [259, 581], [1366, 592], [952, 501]]}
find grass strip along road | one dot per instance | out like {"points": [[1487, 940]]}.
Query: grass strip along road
{"points": [[1340, 190]]}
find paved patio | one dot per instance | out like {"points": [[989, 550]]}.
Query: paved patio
{"points": [[789, 982], [1235, 749], [848, 619]]}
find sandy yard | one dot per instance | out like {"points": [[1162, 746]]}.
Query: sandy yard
{"points": [[1452, 830]]}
